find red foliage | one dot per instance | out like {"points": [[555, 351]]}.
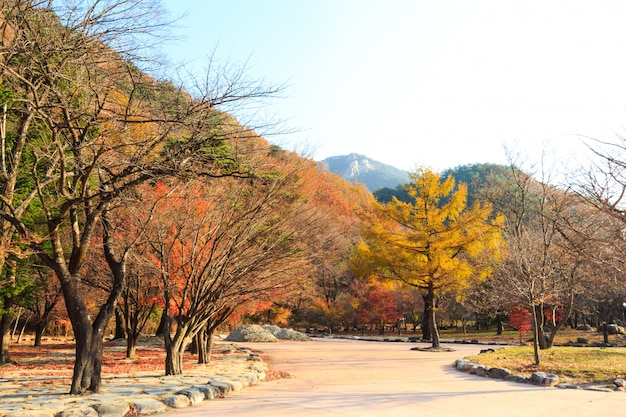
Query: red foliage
{"points": [[520, 319], [554, 315]]}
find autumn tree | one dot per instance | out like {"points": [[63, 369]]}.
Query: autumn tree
{"points": [[433, 243], [326, 286], [218, 246], [96, 126], [547, 248]]}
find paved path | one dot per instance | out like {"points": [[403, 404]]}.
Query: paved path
{"points": [[354, 378]]}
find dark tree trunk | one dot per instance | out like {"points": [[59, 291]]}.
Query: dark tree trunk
{"points": [[209, 343], [131, 345], [174, 351], [539, 320], [499, 324], [87, 375], [425, 321], [431, 305], [120, 328], [164, 326], [201, 347], [40, 327], [42, 313], [5, 333]]}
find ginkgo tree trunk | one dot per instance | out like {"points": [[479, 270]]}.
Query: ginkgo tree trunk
{"points": [[433, 242]]}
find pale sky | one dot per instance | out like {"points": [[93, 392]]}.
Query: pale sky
{"points": [[425, 83]]}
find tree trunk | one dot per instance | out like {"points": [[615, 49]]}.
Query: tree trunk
{"points": [[173, 362], [164, 326], [431, 305], [40, 327], [536, 333], [174, 356], [539, 320], [201, 347], [209, 343], [425, 322], [5, 335], [131, 345], [499, 324], [120, 328]]}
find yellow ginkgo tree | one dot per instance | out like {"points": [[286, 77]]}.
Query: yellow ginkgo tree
{"points": [[434, 242]]}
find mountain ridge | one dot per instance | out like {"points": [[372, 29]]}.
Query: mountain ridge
{"points": [[373, 174]]}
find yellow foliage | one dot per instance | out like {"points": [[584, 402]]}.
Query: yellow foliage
{"points": [[435, 241]]}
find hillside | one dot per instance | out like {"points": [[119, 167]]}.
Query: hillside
{"points": [[359, 168]]}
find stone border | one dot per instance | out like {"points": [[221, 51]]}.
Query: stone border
{"points": [[217, 386], [537, 378]]}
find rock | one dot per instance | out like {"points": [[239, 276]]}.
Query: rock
{"points": [[290, 334], [210, 391], [499, 373], [31, 413], [111, 409], [584, 328], [582, 340], [251, 333], [619, 382], [224, 387], [460, 363], [285, 334], [194, 394], [78, 412], [272, 328], [482, 370], [235, 384], [545, 380], [149, 406], [515, 378], [486, 351], [568, 386], [177, 401]]}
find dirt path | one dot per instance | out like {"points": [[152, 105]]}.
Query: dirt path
{"points": [[355, 378]]}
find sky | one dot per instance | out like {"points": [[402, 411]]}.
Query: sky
{"points": [[424, 83]]}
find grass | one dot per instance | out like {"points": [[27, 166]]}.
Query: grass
{"points": [[571, 364]]}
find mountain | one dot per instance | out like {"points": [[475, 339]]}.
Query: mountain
{"points": [[360, 168], [475, 176]]}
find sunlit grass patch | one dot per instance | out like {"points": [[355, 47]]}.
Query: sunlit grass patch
{"points": [[574, 364]]}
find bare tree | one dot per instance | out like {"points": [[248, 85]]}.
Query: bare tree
{"points": [[97, 127]]}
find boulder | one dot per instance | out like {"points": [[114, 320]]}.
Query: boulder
{"points": [[210, 391], [111, 409], [251, 333], [482, 370], [290, 334], [499, 373], [177, 401], [31, 413], [543, 379], [194, 394], [148, 406], [78, 412]]}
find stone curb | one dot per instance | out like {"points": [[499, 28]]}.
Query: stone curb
{"points": [[248, 369], [537, 378]]}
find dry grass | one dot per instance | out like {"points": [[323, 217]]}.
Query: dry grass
{"points": [[572, 364]]}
